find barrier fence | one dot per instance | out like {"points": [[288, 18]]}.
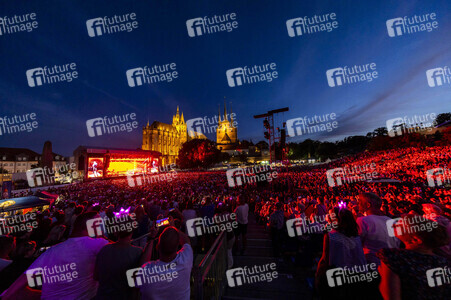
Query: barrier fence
{"points": [[208, 278]]}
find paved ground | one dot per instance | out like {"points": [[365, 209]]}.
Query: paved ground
{"points": [[291, 282]]}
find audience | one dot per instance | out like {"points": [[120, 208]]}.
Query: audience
{"points": [[404, 271], [360, 210]]}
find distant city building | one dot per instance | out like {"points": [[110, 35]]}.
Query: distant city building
{"points": [[226, 133], [166, 138], [18, 160]]}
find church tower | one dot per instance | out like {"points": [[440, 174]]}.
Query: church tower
{"points": [[226, 133], [178, 121], [146, 137], [166, 138]]}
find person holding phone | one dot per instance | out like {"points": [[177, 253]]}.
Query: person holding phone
{"points": [[180, 262]]}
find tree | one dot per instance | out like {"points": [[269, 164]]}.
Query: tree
{"points": [[3, 171], [244, 144], [381, 131], [353, 144], [326, 150], [198, 153], [224, 156], [262, 145], [442, 118], [243, 157]]}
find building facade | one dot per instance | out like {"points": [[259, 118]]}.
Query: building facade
{"points": [[19, 160], [166, 138]]}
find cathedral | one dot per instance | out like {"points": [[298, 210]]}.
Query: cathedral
{"points": [[166, 138], [226, 133], [169, 138]]}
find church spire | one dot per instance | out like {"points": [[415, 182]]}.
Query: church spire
{"points": [[231, 118], [225, 110], [219, 113], [178, 111]]}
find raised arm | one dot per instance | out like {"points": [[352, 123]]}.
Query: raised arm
{"points": [[184, 239], [147, 254]]}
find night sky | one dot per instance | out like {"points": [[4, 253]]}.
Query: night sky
{"points": [[101, 89]]}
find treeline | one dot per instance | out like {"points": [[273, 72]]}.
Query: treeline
{"points": [[373, 141]]}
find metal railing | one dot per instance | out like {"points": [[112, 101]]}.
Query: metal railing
{"points": [[209, 276]]}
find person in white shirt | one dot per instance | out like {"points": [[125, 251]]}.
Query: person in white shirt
{"points": [[72, 261], [242, 214], [173, 266], [373, 227]]}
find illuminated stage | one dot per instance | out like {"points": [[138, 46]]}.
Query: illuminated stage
{"points": [[109, 162]]}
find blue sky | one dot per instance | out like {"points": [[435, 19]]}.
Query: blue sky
{"points": [[261, 37]]}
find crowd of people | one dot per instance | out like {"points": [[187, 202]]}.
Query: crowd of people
{"points": [[352, 218]]}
